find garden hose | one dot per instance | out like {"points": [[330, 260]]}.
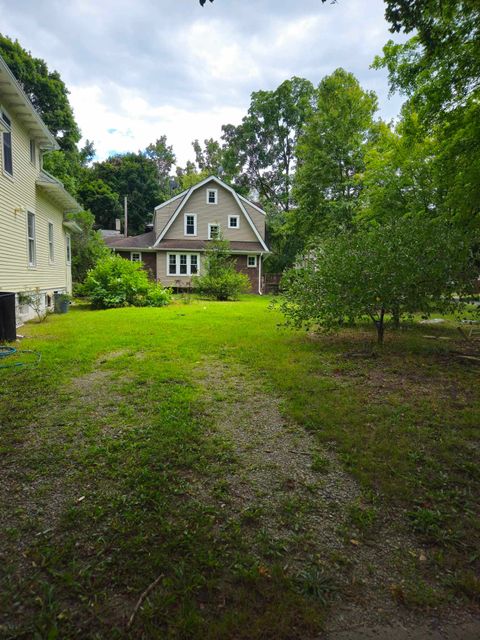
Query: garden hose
{"points": [[5, 352]]}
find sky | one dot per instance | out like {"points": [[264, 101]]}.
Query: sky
{"points": [[138, 69]]}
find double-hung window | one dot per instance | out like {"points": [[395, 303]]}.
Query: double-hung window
{"points": [[233, 222], [182, 264], [31, 239], [7, 145], [190, 224], [213, 231], [69, 249], [51, 246], [212, 196]]}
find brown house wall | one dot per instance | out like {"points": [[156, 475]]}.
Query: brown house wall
{"points": [[149, 262], [251, 272]]}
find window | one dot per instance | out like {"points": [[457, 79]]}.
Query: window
{"points": [[233, 222], [252, 261], [69, 250], [182, 264], [135, 256], [190, 224], [31, 238], [7, 146], [51, 248], [212, 196], [33, 152], [213, 231]]}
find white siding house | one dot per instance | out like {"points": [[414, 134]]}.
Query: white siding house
{"points": [[34, 233]]}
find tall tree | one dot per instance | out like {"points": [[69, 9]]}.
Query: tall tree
{"points": [[264, 144], [210, 157], [164, 158], [135, 176], [331, 154], [46, 91]]}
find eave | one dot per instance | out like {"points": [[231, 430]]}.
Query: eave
{"points": [[55, 190]]}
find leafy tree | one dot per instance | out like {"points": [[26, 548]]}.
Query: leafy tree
{"points": [[210, 158], [221, 280], [164, 158], [132, 175], [46, 91], [331, 154], [88, 246], [263, 145], [406, 265], [98, 197]]}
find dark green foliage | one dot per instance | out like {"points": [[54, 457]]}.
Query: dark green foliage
{"points": [[46, 91], [115, 282], [221, 280], [97, 196], [87, 247], [403, 266]]}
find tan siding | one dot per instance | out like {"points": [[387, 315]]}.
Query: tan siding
{"points": [[21, 192], [257, 218], [163, 215], [214, 214]]}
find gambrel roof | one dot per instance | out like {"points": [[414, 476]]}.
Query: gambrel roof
{"points": [[182, 199]]}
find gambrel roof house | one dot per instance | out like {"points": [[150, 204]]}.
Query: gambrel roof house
{"points": [[184, 226], [35, 253]]}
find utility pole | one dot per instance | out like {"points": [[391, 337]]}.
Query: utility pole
{"points": [[125, 222]]}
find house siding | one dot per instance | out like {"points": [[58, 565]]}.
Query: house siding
{"points": [[22, 193], [149, 260], [212, 214], [163, 215]]}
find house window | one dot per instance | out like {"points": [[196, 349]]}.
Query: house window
{"points": [[33, 152], [213, 231], [212, 196], [233, 222], [251, 261], [135, 256], [31, 238], [51, 248], [182, 264], [190, 224], [7, 146], [69, 250]]}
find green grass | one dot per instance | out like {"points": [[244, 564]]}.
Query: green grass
{"points": [[104, 444]]}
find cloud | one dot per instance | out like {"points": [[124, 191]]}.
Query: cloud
{"points": [[140, 70]]}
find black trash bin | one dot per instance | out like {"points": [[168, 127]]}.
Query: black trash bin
{"points": [[8, 325], [61, 302]]}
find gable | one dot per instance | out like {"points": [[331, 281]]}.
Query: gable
{"points": [[227, 204]]}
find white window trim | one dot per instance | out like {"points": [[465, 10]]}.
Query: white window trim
{"points": [[177, 273], [8, 128], [68, 248], [215, 191], [238, 222], [251, 266], [31, 265], [210, 225], [137, 253], [189, 235], [51, 256]]}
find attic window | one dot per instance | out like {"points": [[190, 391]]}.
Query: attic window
{"points": [[190, 224], [212, 196]]}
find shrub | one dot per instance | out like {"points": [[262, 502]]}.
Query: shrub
{"points": [[116, 282], [221, 281]]}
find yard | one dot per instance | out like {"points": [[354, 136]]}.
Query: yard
{"points": [[267, 483]]}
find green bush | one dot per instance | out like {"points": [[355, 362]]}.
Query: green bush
{"points": [[116, 282], [221, 280], [224, 286]]}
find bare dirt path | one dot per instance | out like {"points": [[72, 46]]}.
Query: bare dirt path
{"points": [[298, 493]]}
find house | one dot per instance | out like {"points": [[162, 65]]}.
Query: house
{"points": [[35, 250], [185, 225]]}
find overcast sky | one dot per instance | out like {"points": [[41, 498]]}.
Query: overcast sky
{"points": [[137, 69]]}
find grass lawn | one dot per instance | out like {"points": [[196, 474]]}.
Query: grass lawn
{"points": [[263, 478]]}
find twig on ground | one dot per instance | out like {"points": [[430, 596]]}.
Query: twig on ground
{"points": [[141, 599]]}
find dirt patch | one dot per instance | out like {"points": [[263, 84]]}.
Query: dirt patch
{"points": [[286, 485]]}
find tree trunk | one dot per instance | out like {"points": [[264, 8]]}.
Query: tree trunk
{"points": [[396, 317], [380, 325]]}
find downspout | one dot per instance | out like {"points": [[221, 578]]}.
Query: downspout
{"points": [[260, 275]]}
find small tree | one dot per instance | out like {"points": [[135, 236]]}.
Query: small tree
{"points": [[221, 280], [88, 246], [401, 267]]}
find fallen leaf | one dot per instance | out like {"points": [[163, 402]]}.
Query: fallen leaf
{"points": [[355, 542]]}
